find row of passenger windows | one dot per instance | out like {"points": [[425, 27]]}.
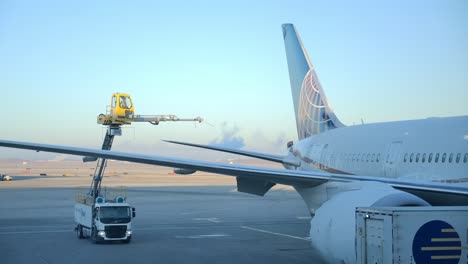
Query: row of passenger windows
{"points": [[418, 157], [410, 157], [359, 157], [365, 157]]}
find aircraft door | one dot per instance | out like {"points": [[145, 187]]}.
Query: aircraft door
{"points": [[392, 159]]}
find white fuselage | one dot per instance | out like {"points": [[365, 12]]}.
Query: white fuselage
{"points": [[427, 149]]}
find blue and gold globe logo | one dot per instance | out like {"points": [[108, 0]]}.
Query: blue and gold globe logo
{"points": [[437, 242]]}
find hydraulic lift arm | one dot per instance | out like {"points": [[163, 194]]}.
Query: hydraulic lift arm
{"points": [[122, 113]]}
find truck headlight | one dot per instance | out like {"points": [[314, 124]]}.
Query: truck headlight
{"points": [[101, 233], [129, 233]]}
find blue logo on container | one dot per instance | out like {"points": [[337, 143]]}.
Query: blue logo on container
{"points": [[437, 242]]}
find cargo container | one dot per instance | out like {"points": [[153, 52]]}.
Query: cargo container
{"points": [[420, 235]]}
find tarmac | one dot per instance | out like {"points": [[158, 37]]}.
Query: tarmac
{"points": [[198, 218]]}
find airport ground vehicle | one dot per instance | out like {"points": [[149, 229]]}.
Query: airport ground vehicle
{"points": [[5, 177], [106, 218], [101, 214], [421, 234]]}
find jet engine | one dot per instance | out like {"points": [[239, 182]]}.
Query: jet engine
{"points": [[183, 171], [333, 227]]}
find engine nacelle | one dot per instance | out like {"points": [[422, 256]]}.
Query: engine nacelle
{"points": [[333, 228], [184, 171]]}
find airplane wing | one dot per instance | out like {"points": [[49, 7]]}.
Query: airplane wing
{"points": [[248, 176]]}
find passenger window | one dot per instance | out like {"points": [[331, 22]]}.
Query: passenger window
{"points": [[368, 156], [436, 158], [443, 157], [465, 158], [458, 157], [378, 158], [429, 159], [450, 157], [417, 157], [411, 157], [373, 157], [423, 158], [405, 158]]}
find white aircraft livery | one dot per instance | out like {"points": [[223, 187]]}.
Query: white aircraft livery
{"points": [[336, 168]]}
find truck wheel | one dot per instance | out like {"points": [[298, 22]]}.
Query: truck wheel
{"points": [[126, 241], [79, 232]]}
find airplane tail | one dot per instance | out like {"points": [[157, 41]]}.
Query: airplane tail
{"points": [[313, 113]]}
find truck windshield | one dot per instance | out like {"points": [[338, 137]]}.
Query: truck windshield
{"points": [[125, 102], [114, 214]]}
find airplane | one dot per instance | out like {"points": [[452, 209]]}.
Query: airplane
{"points": [[336, 168]]}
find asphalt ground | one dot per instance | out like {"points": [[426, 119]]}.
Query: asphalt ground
{"points": [[211, 223]]}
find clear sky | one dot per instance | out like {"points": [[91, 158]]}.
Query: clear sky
{"points": [[60, 61]]}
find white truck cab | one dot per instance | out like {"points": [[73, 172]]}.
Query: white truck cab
{"points": [[104, 219]]}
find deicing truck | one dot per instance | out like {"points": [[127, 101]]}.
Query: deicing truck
{"points": [[106, 218]]}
